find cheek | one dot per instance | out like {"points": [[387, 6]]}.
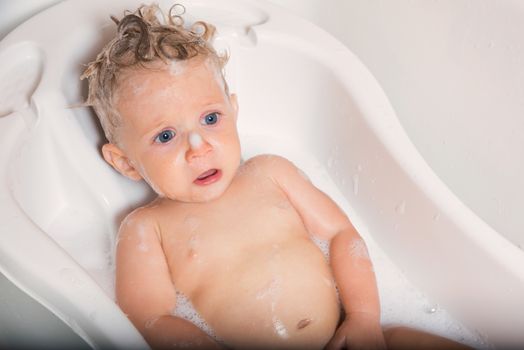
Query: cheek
{"points": [[161, 166], [225, 141], [234, 145]]}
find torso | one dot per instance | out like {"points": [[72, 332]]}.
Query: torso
{"points": [[247, 264]]}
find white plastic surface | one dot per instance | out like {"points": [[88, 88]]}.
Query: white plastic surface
{"points": [[60, 203], [453, 73]]}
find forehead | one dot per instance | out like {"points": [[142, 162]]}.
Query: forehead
{"points": [[157, 77], [168, 88]]}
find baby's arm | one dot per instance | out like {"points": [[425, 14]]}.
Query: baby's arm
{"points": [[144, 290], [349, 259]]}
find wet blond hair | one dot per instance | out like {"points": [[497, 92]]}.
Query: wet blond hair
{"points": [[144, 36]]}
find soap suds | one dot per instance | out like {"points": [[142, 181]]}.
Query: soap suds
{"points": [[151, 322], [192, 223], [284, 204], [177, 67], [356, 181], [138, 88], [279, 328], [195, 140], [184, 309], [142, 235], [142, 171], [271, 290], [401, 208], [322, 244], [402, 302], [357, 249], [217, 73]]}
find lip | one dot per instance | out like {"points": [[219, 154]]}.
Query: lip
{"points": [[208, 177]]}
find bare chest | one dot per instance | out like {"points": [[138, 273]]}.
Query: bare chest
{"points": [[247, 258], [206, 239]]}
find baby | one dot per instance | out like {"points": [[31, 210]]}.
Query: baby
{"points": [[232, 237]]}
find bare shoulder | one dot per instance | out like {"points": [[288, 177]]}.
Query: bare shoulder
{"points": [[142, 219], [270, 163], [281, 170]]}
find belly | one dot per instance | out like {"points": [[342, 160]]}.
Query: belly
{"points": [[276, 296]]}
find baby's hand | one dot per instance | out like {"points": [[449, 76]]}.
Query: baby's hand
{"points": [[358, 332]]}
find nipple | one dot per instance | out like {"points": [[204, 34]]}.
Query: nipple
{"points": [[195, 140]]}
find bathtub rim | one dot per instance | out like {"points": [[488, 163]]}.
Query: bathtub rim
{"points": [[400, 146]]}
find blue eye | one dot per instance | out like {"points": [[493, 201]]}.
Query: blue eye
{"points": [[210, 119], [165, 136]]}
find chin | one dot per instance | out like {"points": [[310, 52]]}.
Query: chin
{"points": [[214, 191], [203, 195]]}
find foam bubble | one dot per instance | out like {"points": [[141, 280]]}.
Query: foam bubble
{"points": [[217, 73], [195, 140], [284, 204], [356, 181], [402, 302], [192, 222], [141, 232], [357, 249], [145, 176], [279, 328], [322, 244], [271, 290], [401, 208], [137, 88], [185, 310], [151, 322], [177, 67]]}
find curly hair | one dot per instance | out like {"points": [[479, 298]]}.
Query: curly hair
{"points": [[143, 36]]}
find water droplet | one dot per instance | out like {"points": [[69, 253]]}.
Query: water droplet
{"points": [[70, 276], [151, 322], [431, 308], [356, 181], [401, 208], [330, 161], [436, 217]]}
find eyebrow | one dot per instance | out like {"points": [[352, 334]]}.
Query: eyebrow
{"points": [[161, 123], [158, 126], [213, 104]]}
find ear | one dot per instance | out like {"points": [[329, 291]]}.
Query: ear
{"points": [[118, 160], [234, 103]]}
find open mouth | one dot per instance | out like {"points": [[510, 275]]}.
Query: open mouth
{"points": [[208, 177]]}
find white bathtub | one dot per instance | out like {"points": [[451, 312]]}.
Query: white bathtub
{"points": [[299, 89]]}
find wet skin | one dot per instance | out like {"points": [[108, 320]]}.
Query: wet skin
{"points": [[233, 238], [256, 282]]}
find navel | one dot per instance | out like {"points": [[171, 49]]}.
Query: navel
{"points": [[303, 323]]}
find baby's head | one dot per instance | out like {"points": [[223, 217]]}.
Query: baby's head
{"points": [[160, 94]]}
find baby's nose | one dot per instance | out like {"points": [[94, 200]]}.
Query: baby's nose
{"points": [[198, 147], [195, 140]]}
